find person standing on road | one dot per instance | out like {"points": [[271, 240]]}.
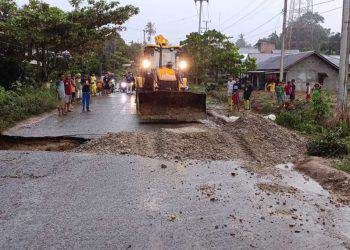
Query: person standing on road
{"points": [[248, 90], [86, 95], [130, 79], [74, 87], [68, 91], [230, 84], [106, 86], [78, 84], [61, 94], [100, 87]]}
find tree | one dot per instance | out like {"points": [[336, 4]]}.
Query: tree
{"points": [[306, 33], [150, 30], [241, 42], [45, 33], [213, 55], [332, 45]]}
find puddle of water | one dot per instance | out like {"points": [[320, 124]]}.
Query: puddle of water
{"points": [[304, 183]]}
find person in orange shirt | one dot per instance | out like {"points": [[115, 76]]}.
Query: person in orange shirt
{"points": [[99, 87]]}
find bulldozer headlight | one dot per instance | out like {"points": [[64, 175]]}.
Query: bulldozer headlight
{"points": [[123, 85], [146, 64], [183, 65]]}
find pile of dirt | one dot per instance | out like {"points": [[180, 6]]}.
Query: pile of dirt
{"points": [[336, 181], [251, 138], [265, 141]]}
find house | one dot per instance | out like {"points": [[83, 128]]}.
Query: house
{"points": [[303, 67]]}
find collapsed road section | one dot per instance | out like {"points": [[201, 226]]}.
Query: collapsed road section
{"points": [[57, 144]]}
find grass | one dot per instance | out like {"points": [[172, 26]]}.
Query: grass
{"points": [[196, 88], [343, 164], [20, 105]]}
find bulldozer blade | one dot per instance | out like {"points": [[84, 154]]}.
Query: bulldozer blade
{"points": [[171, 106]]}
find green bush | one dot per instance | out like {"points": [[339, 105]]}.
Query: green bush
{"points": [[16, 106], [330, 144], [289, 119]]}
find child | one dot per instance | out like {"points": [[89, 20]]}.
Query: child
{"points": [[235, 95], [280, 94], [308, 91], [100, 87], [271, 87], [248, 89], [94, 88]]}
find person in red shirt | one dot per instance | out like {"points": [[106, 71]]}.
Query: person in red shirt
{"points": [[68, 91]]}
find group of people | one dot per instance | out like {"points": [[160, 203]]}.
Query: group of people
{"points": [[282, 91], [287, 91], [81, 87], [233, 94]]}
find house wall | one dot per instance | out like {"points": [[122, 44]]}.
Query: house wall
{"points": [[307, 71], [266, 47]]}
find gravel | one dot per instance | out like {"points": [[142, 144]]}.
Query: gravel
{"points": [[257, 141]]}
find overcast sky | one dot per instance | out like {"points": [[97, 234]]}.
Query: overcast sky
{"points": [[176, 18]]}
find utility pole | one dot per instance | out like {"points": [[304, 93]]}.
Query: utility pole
{"points": [[144, 37], [200, 13], [344, 60], [206, 25], [283, 52]]}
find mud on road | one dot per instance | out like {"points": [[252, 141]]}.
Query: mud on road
{"points": [[260, 143]]}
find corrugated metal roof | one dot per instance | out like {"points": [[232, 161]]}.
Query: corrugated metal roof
{"points": [[333, 59], [291, 51], [261, 57], [245, 51], [289, 60]]}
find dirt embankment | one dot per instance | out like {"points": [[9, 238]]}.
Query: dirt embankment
{"points": [[253, 139], [336, 181]]}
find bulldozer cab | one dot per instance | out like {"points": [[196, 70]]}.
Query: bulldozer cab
{"points": [[162, 91], [164, 66]]}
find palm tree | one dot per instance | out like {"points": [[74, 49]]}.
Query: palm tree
{"points": [[150, 30]]}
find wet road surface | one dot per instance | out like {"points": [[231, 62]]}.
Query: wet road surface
{"points": [[115, 113], [65, 200]]}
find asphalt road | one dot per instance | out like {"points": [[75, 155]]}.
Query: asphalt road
{"points": [[66, 200], [61, 200], [114, 114]]}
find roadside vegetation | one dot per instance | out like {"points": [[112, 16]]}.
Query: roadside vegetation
{"points": [[315, 120], [38, 41], [19, 105]]}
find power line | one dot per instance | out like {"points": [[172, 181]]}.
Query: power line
{"points": [[268, 21], [264, 2], [246, 7], [331, 10]]}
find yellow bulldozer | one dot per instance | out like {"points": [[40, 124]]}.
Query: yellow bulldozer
{"points": [[162, 87]]}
